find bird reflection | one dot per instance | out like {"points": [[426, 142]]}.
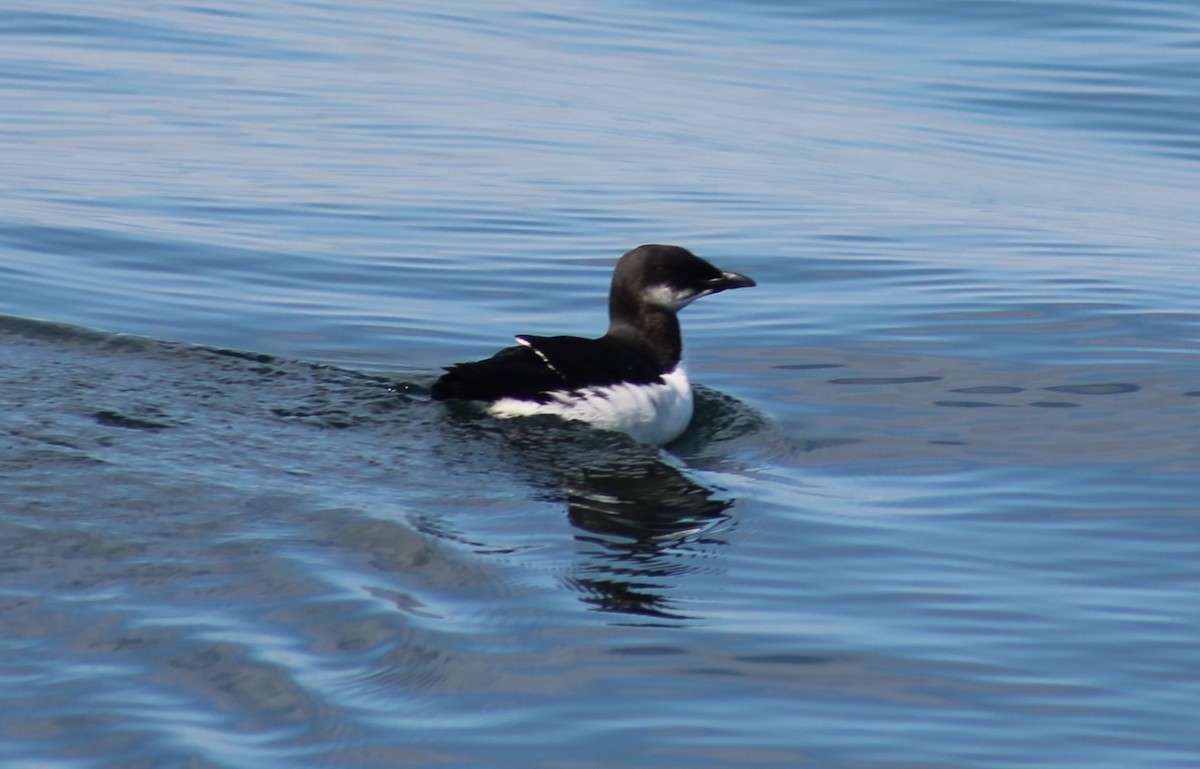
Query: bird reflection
{"points": [[642, 525]]}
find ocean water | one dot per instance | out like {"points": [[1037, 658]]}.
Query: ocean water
{"points": [[940, 503]]}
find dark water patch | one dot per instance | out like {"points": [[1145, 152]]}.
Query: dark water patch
{"points": [[647, 651], [1004, 425], [988, 390], [786, 659], [884, 380], [29, 330], [1115, 388], [127, 421], [244, 355], [806, 366]]}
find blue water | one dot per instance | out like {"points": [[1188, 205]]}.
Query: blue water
{"points": [[938, 505]]}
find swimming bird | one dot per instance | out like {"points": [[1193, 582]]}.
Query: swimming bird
{"points": [[631, 379]]}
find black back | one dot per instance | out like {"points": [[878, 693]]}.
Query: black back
{"points": [[549, 364]]}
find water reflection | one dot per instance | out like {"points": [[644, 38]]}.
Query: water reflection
{"points": [[641, 521], [641, 526]]}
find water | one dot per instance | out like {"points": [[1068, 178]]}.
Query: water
{"points": [[938, 504]]}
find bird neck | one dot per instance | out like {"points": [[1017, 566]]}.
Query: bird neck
{"points": [[654, 329]]}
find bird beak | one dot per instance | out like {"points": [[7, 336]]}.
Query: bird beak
{"points": [[730, 280]]}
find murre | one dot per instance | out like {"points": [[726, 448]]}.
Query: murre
{"points": [[631, 379]]}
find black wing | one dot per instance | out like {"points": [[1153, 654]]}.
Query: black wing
{"points": [[547, 364]]}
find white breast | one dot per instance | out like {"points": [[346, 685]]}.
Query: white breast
{"points": [[656, 414]]}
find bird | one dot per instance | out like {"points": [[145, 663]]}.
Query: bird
{"points": [[631, 379]]}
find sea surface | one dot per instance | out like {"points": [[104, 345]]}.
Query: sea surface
{"points": [[940, 504]]}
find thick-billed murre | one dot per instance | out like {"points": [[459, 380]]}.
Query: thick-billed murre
{"points": [[631, 379]]}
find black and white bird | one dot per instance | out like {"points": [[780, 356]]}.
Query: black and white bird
{"points": [[631, 379]]}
